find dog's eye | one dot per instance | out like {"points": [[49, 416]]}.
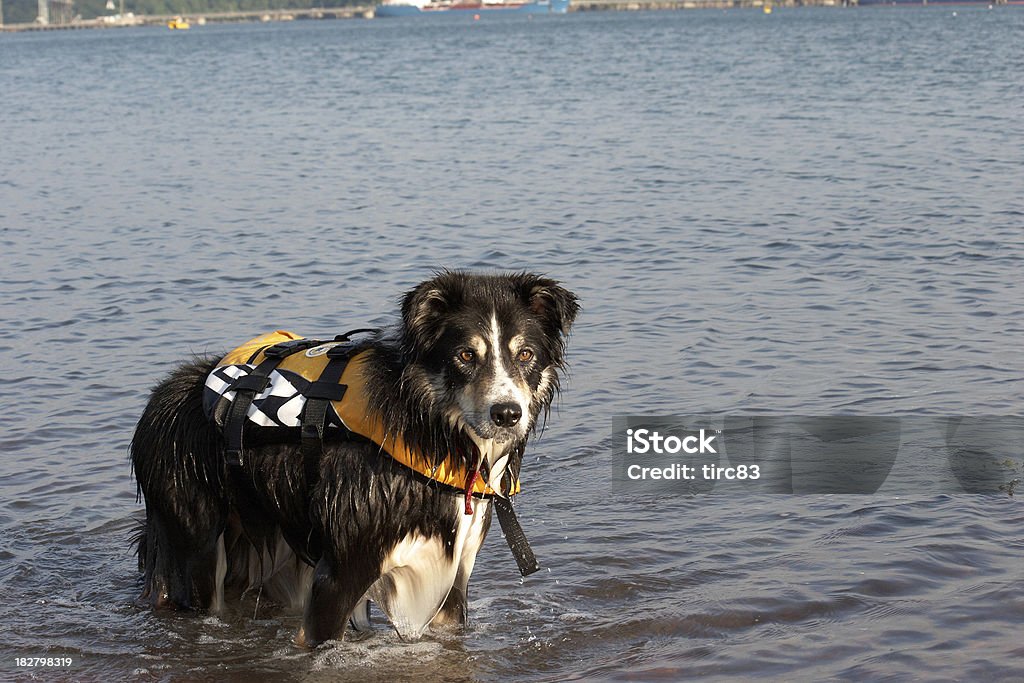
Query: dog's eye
{"points": [[525, 356], [467, 356]]}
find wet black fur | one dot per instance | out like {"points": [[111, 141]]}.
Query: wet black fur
{"points": [[357, 505]]}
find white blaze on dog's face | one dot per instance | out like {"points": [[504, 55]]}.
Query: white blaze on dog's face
{"points": [[488, 350], [495, 400]]}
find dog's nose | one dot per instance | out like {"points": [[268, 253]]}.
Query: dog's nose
{"points": [[506, 414]]}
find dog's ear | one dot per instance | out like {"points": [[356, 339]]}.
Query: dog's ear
{"points": [[425, 305], [555, 305]]}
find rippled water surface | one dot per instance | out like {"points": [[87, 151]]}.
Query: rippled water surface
{"points": [[812, 212]]}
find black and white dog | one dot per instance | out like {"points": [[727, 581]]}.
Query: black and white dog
{"points": [[465, 376]]}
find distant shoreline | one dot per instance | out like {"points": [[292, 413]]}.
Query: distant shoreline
{"points": [[367, 12], [201, 18]]}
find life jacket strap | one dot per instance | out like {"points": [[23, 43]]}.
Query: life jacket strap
{"points": [[319, 395], [282, 350], [515, 537], [246, 388]]}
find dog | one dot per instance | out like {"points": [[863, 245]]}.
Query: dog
{"points": [[463, 379]]}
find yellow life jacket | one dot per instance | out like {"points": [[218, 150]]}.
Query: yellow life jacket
{"points": [[353, 409]]}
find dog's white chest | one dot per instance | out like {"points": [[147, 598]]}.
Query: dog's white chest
{"points": [[419, 572]]}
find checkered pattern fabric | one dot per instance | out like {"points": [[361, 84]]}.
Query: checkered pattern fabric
{"points": [[279, 405]]}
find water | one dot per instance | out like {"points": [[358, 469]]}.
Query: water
{"points": [[813, 212]]}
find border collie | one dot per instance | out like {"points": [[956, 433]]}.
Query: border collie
{"points": [[463, 378]]}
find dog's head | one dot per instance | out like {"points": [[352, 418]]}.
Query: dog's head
{"points": [[488, 349]]}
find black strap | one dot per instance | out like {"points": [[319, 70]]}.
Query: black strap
{"points": [[245, 387], [319, 395], [515, 537], [287, 348]]}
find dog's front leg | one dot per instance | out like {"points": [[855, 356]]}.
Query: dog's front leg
{"points": [[455, 610], [426, 581], [334, 596], [411, 595]]}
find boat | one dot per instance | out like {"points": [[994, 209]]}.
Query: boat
{"points": [[178, 24], [413, 8]]}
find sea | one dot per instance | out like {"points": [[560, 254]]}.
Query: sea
{"points": [[813, 212]]}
